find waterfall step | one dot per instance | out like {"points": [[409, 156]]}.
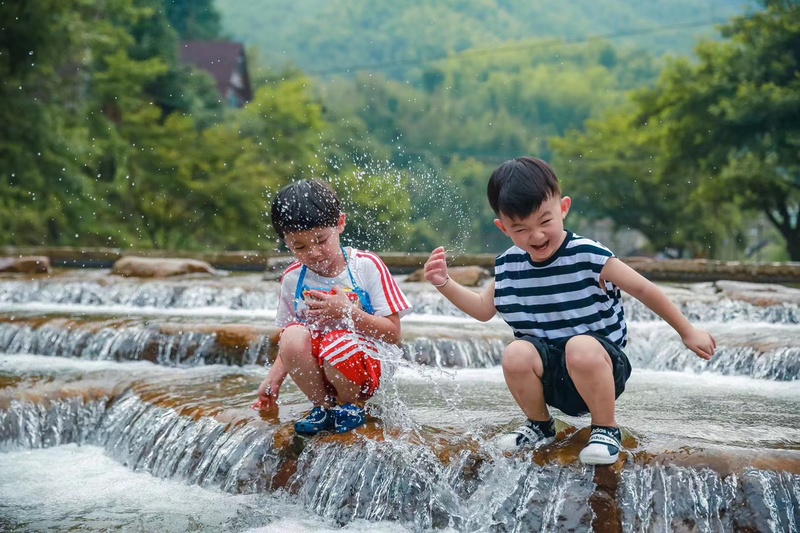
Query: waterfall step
{"points": [[763, 351], [196, 425]]}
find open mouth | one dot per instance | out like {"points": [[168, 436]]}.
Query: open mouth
{"points": [[540, 247]]}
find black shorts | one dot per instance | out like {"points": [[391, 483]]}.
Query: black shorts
{"points": [[559, 390]]}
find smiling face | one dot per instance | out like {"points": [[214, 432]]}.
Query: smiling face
{"points": [[319, 249], [542, 232]]}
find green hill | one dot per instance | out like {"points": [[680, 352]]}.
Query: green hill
{"points": [[333, 36]]}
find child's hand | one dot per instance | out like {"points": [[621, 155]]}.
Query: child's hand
{"points": [[323, 306], [700, 342], [268, 393], [436, 267]]}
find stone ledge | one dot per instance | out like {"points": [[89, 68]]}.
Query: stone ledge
{"points": [[404, 263], [710, 270]]}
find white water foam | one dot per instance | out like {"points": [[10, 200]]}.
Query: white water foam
{"points": [[79, 487]]}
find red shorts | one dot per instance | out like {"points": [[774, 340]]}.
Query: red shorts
{"points": [[352, 355]]}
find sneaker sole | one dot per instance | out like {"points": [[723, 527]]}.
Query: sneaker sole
{"points": [[506, 444], [310, 432], [598, 459]]}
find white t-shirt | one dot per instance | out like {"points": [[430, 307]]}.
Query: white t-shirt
{"points": [[369, 273]]}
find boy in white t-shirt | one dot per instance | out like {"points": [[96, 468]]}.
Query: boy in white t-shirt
{"points": [[337, 306]]}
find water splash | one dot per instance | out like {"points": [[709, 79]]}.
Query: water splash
{"points": [[412, 207]]}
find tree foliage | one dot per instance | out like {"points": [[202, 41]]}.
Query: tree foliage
{"points": [[108, 140], [748, 88], [711, 139], [452, 124], [332, 35]]}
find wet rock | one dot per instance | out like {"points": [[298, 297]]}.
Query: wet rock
{"points": [[759, 294], [151, 267], [275, 267], [709, 270], [33, 264], [725, 461], [469, 276]]}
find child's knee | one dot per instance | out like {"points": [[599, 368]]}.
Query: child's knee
{"points": [[585, 353], [521, 356], [295, 340]]}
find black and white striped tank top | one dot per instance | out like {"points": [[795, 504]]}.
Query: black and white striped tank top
{"points": [[561, 297]]}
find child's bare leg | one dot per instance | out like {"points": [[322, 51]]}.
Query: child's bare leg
{"points": [[294, 349], [523, 369], [346, 390], [591, 371]]}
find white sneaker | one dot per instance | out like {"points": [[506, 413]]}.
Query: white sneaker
{"points": [[528, 436], [603, 447]]}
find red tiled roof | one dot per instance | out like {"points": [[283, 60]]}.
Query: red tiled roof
{"points": [[221, 60]]}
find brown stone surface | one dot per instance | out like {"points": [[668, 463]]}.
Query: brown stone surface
{"points": [[229, 404], [69, 256], [709, 270], [242, 260], [27, 264], [148, 267], [759, 294], [404, 262], [44, 392], [607, 516], [726, 461]]}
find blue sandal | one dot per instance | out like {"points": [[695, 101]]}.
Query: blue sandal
{"points": [[348, 417], [319, 419]]}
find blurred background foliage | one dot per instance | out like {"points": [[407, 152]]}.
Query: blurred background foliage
{"points": [[674, 126]]}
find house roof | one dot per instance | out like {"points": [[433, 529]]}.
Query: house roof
{"points": [[221, 60]]}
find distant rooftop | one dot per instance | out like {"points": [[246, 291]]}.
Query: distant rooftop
{"points": [[227, 64]]}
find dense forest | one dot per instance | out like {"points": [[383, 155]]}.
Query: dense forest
{"points": [[406, 107], [336, 36]]}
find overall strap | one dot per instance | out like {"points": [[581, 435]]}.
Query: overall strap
{"points": [[349, 272], [298, 291], [363, 295]]}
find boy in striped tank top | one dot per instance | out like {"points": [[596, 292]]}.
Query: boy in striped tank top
{"points": [[339, 309], [560, 293]]}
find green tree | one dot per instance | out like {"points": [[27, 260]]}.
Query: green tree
{"points": [[734, 118], [194, 19], [180, 87], [50, 54], [710, 139], [615, 169]]}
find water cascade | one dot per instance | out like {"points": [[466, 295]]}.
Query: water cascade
{"points": [[150, 383]]}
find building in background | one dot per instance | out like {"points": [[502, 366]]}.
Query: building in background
{"points": [[227, 64]]}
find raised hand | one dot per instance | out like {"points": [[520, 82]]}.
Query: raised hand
{"points": [[436, 267]]}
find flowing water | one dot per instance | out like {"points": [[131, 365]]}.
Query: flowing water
{"points": [[125, 405]]}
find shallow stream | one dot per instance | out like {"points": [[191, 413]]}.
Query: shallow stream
{"points": [[125, 405]]}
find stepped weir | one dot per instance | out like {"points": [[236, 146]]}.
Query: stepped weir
{"points": [[125, 404]]}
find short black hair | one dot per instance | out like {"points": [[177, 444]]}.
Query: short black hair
{"points": [[305, 205], [519, 186]]}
